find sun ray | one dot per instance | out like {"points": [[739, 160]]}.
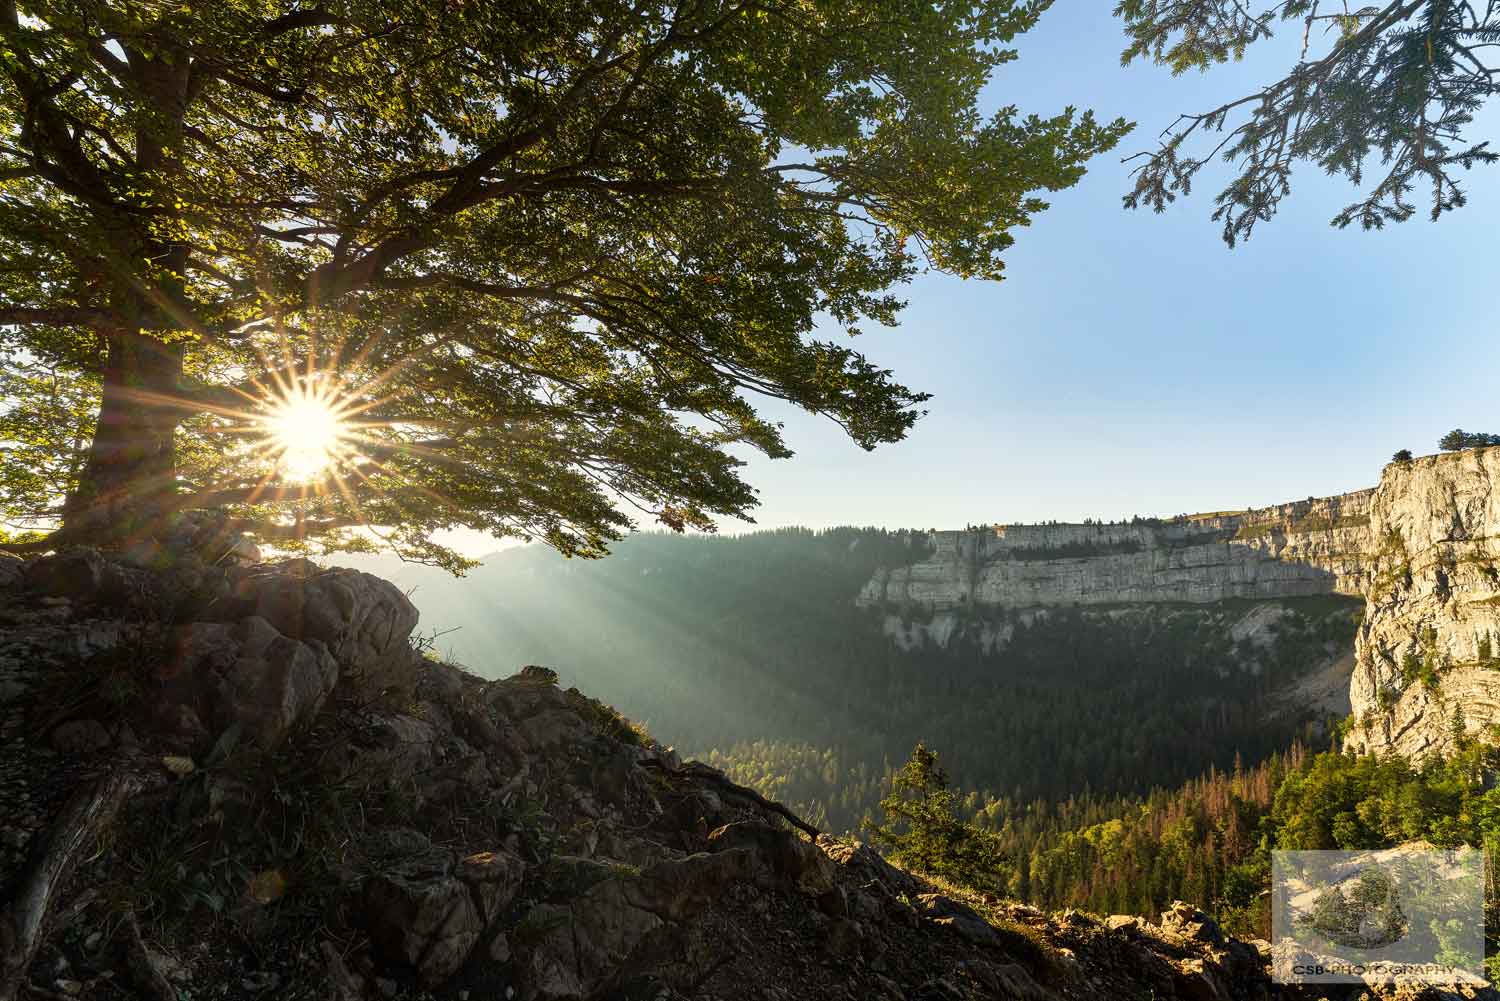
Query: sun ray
{"points": [[308, 434]]}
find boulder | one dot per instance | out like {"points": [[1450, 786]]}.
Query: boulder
{"points": [[1201, 980], [843, 938], [422, 916], [243, 551], [365, 622], [81, 575], [246, 674], [949, 913], [493, 877], [570, 951], [779, 853], [1188, 921]]}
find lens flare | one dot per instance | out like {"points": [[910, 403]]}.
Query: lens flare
{"points": [[307, 435]]}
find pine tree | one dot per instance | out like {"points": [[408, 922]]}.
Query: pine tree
{"points": [[1454, 440], [923, 831]]}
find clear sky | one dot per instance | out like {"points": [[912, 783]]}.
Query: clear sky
{"points": [[1132, 364]]}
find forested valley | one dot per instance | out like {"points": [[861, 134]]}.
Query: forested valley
{"points": [[750, 652]]}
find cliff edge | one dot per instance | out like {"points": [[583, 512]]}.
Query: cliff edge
{"points": [[1427, 668], [1420, 550]]}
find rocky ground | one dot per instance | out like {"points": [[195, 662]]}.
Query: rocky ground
{"points": [[229, 779]]}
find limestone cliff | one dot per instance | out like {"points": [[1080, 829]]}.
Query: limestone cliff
{"points": [[1427, 649], [1421, 549], [1315, 546]]}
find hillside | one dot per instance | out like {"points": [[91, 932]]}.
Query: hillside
{"points": [[753, 652], [241, 781]]}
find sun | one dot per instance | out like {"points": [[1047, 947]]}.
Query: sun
{"points": [[307, 435]]}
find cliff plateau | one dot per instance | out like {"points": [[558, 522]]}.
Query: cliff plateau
{"points": [[1420, 550]]}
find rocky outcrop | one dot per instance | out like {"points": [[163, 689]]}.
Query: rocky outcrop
{"points": [[1428, 652], [1316, 546], [451, 838]]}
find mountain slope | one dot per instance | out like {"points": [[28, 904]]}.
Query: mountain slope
{"points": [[240, 782]]}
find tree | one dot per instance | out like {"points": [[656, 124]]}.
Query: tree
{"points": [[923, 831], [508, 267], [1391, 88], [1402, 457], [1457, 440]]}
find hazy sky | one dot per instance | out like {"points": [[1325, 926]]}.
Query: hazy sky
{"points": [[1132, 364]]}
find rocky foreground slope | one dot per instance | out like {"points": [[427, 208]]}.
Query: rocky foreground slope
{"points": [[243, 781]]}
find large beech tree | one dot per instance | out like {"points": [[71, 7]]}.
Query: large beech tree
{"points": [[542, 257]]}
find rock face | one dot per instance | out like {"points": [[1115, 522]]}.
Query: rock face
{"points": [[1422, 549], [1429, 647], [1303, 548]]}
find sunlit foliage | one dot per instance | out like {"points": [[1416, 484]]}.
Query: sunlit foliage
{"points": [[541, 256]]}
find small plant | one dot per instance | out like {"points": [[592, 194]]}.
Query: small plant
{"points": [[613, 724]]}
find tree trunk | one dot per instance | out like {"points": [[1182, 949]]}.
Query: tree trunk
{"points": [[130, 475]]}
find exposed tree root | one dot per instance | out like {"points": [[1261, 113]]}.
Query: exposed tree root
{"points": [[53, 858], [703, 773], [143, 967]]}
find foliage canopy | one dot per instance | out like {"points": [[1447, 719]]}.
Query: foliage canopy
{"points": [[1382, 94], [1458, 439], [541, 256]]}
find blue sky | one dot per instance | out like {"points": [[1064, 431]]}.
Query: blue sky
{"points": [[1132, 364]]}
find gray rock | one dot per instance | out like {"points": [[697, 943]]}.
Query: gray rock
{"points": [[843, 938], [246, 674], [779, 852], [364, 622], [422, 919], [1188, 921], [243, 551], [572, 950], [949, 913], [1201, 980], [494, 877], [80, 575]]}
